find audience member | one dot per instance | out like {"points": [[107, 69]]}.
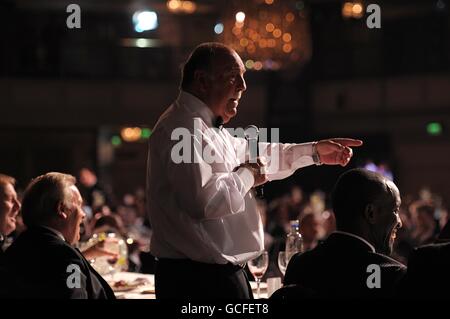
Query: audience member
{"points": [[366, 207], [42, 261]]}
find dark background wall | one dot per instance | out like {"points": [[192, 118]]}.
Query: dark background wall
{"points": [[64, 92]]}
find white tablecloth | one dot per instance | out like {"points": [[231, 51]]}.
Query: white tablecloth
{"points": [[147, 290]]}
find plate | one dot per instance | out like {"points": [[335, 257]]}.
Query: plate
{"points": [[123, 285]]}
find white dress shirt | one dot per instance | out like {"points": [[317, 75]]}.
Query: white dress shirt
{"points": [[206, 211]]}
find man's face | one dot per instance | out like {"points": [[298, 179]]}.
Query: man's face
{"points": [[388, 220], [75, 217], [226, 85], [9, 208]]}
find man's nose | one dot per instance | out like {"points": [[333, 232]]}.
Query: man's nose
{"points": [[399, 222], [242, 86]]}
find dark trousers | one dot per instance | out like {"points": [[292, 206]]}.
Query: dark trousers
{"points": [[184, 279]]}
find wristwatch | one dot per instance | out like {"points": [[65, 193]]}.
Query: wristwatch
{"points": [[315, 155]]}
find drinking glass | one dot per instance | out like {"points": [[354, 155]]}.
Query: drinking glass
{"points": [[258, 267], [112, 266], [282, 262]]}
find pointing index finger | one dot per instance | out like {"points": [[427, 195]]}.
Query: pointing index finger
{"points": [[348, 142]]}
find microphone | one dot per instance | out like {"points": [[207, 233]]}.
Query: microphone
{"points": [[251, 133]]}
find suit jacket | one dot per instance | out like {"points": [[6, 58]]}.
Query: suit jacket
{"points": [[37, 263], [428, 274], [338, 268]]}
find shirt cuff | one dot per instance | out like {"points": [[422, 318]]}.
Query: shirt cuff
{"points": [[246, 177], [302, 154]]}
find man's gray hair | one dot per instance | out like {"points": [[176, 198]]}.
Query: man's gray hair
{"points": [[43, 196]]}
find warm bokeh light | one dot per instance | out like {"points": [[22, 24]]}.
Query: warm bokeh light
{"points": [[352, 9], [236, 31], [257, 66], [260, 33], [240, 17], [188, 6], [287, 37], [357, 8], [181, 6], [271, 43], [287, 48], [290, 17], [347, 9], [255, 36], [243, 42], [131, 134], [262, 43], [270, 27], [173, 5], [277, 33], [269, 1]]}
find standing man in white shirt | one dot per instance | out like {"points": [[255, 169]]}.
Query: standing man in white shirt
{"points": [[203, 212]]}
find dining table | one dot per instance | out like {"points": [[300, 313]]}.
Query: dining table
{"points": [[131, 285]]}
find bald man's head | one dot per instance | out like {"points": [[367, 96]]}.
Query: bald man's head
{"points": [[366, 203]]}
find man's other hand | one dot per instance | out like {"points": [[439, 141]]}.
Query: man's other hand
{"points": [[258, 170]]}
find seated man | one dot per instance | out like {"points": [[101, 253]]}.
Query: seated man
{"points": [[428, 274], [353, 261], [42, 262], [9, 209]]}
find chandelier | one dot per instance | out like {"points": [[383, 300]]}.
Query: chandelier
{"points": [[268, 34]]}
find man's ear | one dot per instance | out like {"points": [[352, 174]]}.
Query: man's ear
{"points": [[62, 210], [201, 78], [369, 213]]}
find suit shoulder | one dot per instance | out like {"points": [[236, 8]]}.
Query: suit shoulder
{"points": [[432, 249], [386, 261], [431, 255]]}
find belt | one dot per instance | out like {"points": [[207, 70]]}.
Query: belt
{"points": [[189, 262]]}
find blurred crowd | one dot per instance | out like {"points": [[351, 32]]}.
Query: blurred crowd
{"points": [[105, 214], [423, 216]]}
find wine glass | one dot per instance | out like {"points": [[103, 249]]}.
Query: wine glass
{"points": [[112, 265], [282, 261], [258, 267]]}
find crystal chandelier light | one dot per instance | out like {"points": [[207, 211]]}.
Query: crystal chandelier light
{"points": [[268, 34]]}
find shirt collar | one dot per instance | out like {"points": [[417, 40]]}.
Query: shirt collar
{"points": [[197, 106], [357, 237]]}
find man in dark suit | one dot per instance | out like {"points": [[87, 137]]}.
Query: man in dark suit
{"points": [[9, 209], [428, 274], [42, 262], [352, 262]]}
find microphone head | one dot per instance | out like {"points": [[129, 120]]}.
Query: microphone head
{"points": [[251, 132]]}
